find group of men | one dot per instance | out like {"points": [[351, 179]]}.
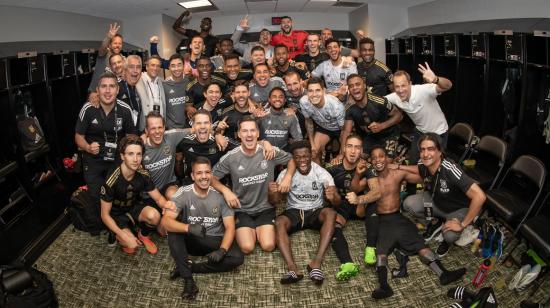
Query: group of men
{"points": [[198, 158]]}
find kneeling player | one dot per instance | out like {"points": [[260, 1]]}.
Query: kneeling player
{"points": [[396, 231], [202, 225], [305, 211], [121, 204]]}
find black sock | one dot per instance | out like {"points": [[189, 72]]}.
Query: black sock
{"points": [[146, 229], [371, 225], [340, 246], [382, 272]]}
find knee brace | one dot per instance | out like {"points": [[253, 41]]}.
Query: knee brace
{"points": [[428, 257], [381, 261]]}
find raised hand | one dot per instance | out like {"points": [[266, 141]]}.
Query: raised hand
{"points": [[427, 74], [154, 39], [330, 192], [113, 30], [244, 23], [361, 167], [360, 34]]}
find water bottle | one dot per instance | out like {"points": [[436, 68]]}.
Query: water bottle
{"points": [[482, 273]]}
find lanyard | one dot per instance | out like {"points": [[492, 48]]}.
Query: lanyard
{"points": [[136, 106], [151, 90]]}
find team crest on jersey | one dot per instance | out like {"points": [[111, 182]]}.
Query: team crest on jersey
{"points": [[263, 164], [342, 76], [212, 151], [118, 123], [215, 211], [314, 186], [328, 117], [347, 183], [102, 190], [443, 186], [166, 149], [285, 123]]}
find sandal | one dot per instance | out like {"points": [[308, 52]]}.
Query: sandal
{"points": [[316, 275], [291, 277]]}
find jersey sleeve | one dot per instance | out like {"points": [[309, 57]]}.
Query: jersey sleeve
{"points": [[225, 209], [148, 182], [340, 115], [304, 108], [348, 114], [223, 167], [82, 121], [459, 178], [370, 173], [295, 130], [318, 71], [326, 178], [106, 193], [281, 157], [281, 176]]}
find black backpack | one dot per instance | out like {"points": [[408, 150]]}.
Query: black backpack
{"points": [[30, 131], [85, 215], [25, 287]]}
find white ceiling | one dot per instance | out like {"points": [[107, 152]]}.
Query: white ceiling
{"points": [[123, 9]]}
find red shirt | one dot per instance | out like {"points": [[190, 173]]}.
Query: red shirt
{"points": [[295, 42]]}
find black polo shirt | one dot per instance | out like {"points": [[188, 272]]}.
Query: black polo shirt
{"points": [[377, 110], [377, 76], [448, 186], [98, 127]]}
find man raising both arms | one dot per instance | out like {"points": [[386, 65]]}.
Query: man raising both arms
{"points": [[397, 231]]}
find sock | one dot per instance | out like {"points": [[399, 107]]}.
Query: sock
{"points": [[340, 246], [437, 268], [371, 225], [146, 229], [382, 272]]}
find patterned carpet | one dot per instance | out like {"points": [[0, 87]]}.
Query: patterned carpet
{"points": [[87, 273]]}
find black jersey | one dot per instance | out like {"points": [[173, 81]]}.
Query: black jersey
{"points": [[96, 126], [244, 74], [377, 76], [448, 186], [192, 148], [304, 74], [377, 110], [343, 177], [124, 194], [216, 113], [195, 90], [234, 116], [312, 62]]}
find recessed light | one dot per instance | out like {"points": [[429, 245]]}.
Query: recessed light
{"points": [[195, 3]]}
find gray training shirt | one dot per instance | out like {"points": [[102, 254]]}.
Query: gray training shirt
{"points": [[276, 127], [261, 94], [176, 97], [208, 211], [161, 160], [250, 176]]}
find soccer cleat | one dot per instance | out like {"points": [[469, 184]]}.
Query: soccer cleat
{"points": [[370, 255], [451, 276], [148, 244], [529, 277], [443, 249], [519, 276], [129, 251], [111, 239], [190, 290], [469, 234], [381, 293], [432, 230], [347, 270]]}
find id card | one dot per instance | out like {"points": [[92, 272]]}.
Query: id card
{"points": [[110, 151]]}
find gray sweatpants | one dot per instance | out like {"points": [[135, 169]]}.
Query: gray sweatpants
{"points": [[414, 204]]}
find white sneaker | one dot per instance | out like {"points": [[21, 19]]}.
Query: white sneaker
{"points": [[519, 276], [529, 278], [469, 234], [438, 238]]}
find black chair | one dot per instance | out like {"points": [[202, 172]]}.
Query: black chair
{"points": [[536, 231], [459, 141], [490, 156], [518, 192]]}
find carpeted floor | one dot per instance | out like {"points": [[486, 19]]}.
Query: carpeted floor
{"points": [[87, 273]]}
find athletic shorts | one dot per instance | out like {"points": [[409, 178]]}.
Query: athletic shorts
{"points": [[266, 217], [348, 211], [301, 220], [331, 133], [127, 218], [396, 231]]}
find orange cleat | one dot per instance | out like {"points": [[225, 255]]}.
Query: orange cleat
{"points": [[148, 243]]}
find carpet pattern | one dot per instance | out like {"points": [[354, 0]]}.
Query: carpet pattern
{"points": [[88, 273]]}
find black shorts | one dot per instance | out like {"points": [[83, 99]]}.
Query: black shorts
{"points": [[301, 220], [128, 218], [331, 133], [396, 231], [346, 210], [266, 217]]}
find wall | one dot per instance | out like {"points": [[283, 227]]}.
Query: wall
{"points": [[379, 22], [24, 24], [447, 11], [225, 24], [137, 31]]}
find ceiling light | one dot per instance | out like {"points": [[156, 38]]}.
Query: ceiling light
{"points": [[323, 0], [195, 3]]}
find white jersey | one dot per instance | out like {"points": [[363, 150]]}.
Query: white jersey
{"points": [[334, 76], [423, 108], [330, 117], [307, 191]]}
